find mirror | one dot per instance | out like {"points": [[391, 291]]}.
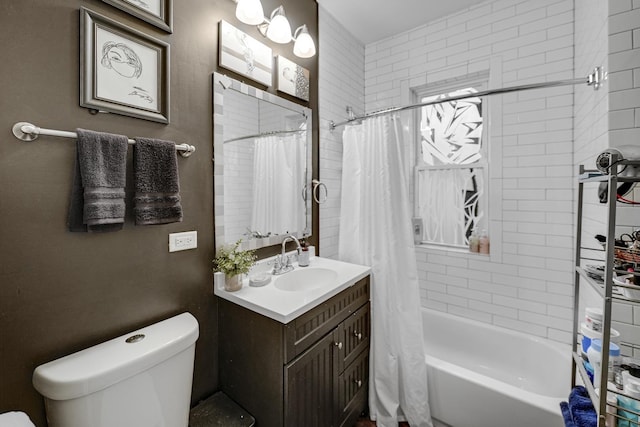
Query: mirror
{"points": [[262, 158]]}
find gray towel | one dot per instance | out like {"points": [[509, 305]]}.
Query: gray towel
{"points": [[97, 196], [155, 169]]}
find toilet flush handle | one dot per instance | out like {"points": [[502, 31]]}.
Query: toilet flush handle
{"points": [[135, 338]]}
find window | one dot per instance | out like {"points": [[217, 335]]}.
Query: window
{"points": [[451, 167]]}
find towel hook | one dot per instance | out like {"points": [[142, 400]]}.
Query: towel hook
{"points": [[316, 191], [315, 186]]}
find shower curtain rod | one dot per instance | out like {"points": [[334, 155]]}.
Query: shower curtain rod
{"points": [[27, 132], [594, 79], [274, 132]]}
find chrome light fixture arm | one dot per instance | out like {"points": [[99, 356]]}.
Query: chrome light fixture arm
{"points": [[276, 28]]}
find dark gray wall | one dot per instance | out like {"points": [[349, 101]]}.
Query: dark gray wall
{"points": [[61, 292]]}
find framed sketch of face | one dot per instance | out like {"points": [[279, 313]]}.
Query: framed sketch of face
{"points": [[155, 12], [122, 70]]}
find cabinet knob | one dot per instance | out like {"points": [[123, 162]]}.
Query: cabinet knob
{"points": [[358, 383], [357, 334], [338, 344]]}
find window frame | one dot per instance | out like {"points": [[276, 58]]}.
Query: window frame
{"points": [[479, 82]]}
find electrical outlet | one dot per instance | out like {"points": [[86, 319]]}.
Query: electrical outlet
{"points": [[183, 241]]}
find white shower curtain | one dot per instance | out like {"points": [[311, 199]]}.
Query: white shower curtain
{"points": [[278, 177], [375, 230]]}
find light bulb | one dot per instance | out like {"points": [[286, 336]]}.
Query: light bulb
{"points": [[304, 46], [279, 30], [250, 12]]}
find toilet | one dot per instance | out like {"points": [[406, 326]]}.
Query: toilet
{"points": [[141, 379]]}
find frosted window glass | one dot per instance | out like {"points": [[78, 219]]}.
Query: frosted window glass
{"points": [[451, 132]]}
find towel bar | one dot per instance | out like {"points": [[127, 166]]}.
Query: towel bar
{"points": [[25, 131]]}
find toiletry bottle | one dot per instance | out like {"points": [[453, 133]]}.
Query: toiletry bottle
{"points": [[629, 418], [474, 241], [595, 358], [303, 257], [483, 242]]}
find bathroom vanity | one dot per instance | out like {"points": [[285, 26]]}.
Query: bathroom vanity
{"points": [[306, 366]]}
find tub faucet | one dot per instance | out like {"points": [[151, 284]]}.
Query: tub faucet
{"points": [[282, 263]]}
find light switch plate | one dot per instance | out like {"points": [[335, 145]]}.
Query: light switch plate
{"points": [[183, 241], [417, 225]]}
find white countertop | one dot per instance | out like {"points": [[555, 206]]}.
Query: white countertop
{"points": [[284, 306]]}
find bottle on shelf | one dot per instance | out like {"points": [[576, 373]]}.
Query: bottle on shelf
{"points": [[474, 242], [483, 242], [594, 353]]}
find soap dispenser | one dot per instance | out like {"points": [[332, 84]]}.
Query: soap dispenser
{"points": [[303, 256]]}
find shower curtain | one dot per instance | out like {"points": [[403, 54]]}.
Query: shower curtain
{"points": [[278, 177], [375, 230]]}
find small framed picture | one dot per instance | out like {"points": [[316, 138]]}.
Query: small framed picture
{"points": [[292, 78], [155, 12], [122, 70], [245, 55]]}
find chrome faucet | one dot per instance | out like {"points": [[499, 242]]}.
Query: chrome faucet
{"points": [[282, 263]]}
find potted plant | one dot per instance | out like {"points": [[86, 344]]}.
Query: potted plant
{"points": [[233, 262]]}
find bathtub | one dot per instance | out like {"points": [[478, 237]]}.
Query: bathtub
{"points": [[482, 375]]}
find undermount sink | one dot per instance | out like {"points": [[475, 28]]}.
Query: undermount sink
{"points": [[305, 279]]}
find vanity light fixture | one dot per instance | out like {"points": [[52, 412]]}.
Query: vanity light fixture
{"points": [[304, 47], [250, 12], [277, 27], [278, 30]]}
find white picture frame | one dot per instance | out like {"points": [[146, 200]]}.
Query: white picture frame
{"points": [[292, 79], [244, 55]]}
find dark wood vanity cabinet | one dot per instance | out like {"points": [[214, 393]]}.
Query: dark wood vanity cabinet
{"points": [[312, 371]]}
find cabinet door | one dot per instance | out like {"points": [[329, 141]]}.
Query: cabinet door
{"points": [[354, 335], [352, 390], [309, 382]]}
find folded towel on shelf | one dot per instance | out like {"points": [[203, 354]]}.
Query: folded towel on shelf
{"points": [[584, 417], [155, 169], [97, 196], [579, 398], [566, 415], [579, 411]]}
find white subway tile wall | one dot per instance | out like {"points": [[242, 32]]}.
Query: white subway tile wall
{"points": [[341, 78], [238, 163], [526, 283], [544, 135]]}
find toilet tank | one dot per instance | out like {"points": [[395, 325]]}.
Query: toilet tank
{"points": [[140, 379]]}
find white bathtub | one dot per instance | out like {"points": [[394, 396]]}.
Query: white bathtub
{"points": [[486, 376]]}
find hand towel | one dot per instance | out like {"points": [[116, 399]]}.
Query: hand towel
{"points": [[155, 169], [97, 196]]}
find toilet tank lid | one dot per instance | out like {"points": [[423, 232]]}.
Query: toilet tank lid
{"points": [[110, 362]]}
